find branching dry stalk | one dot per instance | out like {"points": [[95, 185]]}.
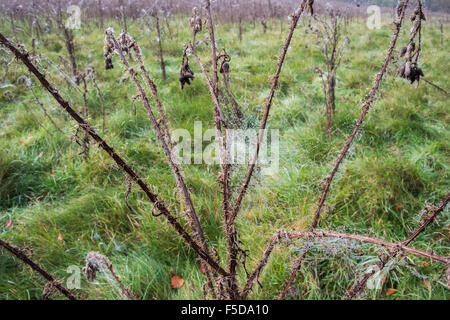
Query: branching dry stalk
{"points": [[365, 109], [222, 282], [91, 73], [399, 248], [160, 47], [329, 36], [85, 143], [159, 204], [243, 190], [230, 213], [20, 254], [163, 134], [70, 46], [44, 110], [410, 69], [221, 124]]}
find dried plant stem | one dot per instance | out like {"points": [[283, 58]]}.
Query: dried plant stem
{"points": [[161, 54], [436, 86], [294, 21], [262, 263], [47, 115], [365, 109], [68, 37], [100, 96], [166, 142], [85, 142], [159, 106], [212, 39], [163, 139], [224, 175], [432, 213], [158, 203], [123, 289], [230, 230], [210, 84], [22, 256], [225, 171]]}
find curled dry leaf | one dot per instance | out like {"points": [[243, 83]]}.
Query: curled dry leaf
{"points": [[176, 282], [390, 291]]}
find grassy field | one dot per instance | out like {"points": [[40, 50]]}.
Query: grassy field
{"points": [[62, 206]]}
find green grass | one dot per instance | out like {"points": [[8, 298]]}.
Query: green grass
{"points": [[399, 163]]}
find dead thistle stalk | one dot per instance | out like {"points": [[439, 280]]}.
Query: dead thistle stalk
{"points": [[20, 254], [365, 109], [159, 204]]}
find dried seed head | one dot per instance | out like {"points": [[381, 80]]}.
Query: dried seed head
{"points": [[186, 74], [411, 72], [126, 41], [399, 9], [225, 68], [109, 48], [94, 262], [418, 13], [196, 21], [403, 52]]}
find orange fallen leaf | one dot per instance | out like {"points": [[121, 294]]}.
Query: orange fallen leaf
{"points": [[8, 223], [203, 268], [390, 291], [398, 207], [21, 143], [176, 282], [60, 237]]}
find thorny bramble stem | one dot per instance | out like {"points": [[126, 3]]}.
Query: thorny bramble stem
{"points": [[22, 256]]}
